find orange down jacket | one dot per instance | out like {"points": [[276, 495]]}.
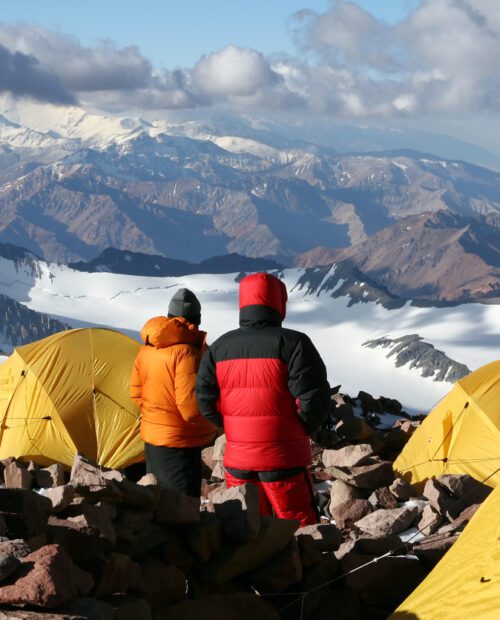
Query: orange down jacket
{"points": [[163, 384]]}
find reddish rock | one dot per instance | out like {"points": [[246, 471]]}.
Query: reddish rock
{"points": [[348, 513], [430, 520], [17, 476], [238, 509], [439, 497], [372, 476], [401, 490], [80, 540], [46, 578], [431, 549], [349, 456], [118, 573], [383, 522], [325, 536], [369, 546], [465, 516], [280, 573], [383, 498], [341, 492], [161, 585]]}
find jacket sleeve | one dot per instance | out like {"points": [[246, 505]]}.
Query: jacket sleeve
{"points": [[207, 389], [136, 385], [186, 368], [308, 384]]}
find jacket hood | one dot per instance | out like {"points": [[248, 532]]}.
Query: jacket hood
{"points": [[262, 299], [161, 332]]}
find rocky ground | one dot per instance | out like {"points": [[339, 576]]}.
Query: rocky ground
{"points": [[93, 544]]}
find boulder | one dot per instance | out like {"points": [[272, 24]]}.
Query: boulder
{"points": [[176, 508], [353, 429], [466, 489], [465, 516], [383, 498], [17, 476], [401, 490], [349, 513], [431, 549], [349, 456], [440, 498], [80, 540], [275, 534], [217, 607], [369, 546], [430, 520], [371, 476], [118, 573], [8, 565], [325, 536], [238, 509], [134, 519], [149, 538], [18, 548], [383, 522], [279, 573], [60, 497], [46, 578], [386, 582], [161, 585], [52, 476], [205, 538], [341, 492], [25, 512]]}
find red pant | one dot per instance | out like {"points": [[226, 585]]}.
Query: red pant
{"points": [[290, 497]]}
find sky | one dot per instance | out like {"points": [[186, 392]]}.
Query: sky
{"points": [[430, 64]]}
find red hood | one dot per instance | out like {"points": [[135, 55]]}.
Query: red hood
{"points": [[263, 289]]}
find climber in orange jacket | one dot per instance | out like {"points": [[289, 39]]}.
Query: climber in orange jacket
{"points": [[163, 386]]}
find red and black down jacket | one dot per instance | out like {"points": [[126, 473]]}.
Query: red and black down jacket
{"points": [[266, 384]]}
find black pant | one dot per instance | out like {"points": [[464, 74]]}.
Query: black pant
{"points": [[175, 468]]}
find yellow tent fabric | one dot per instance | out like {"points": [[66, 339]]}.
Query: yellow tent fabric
{"points": [[461, 435], [69, 393], [466, 582]]}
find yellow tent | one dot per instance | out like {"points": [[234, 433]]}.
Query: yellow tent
{"points": [[466, 583], [67, 393], [461, 435]]}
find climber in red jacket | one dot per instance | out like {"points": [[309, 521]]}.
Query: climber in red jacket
{"points": [[267, 386]]}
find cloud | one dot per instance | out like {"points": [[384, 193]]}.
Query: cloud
{"points": [[232, 71], [441, 58], [22, 75], [80, 68]]}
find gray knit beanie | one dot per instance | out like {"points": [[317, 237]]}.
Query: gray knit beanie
{"points": [[185, 303]]}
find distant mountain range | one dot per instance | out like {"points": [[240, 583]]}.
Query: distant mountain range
{"points": [[73, 184]]}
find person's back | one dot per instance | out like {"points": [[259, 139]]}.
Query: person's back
{"points": [[269, 386], [163, 385]]}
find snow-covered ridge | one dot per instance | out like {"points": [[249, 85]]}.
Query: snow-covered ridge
{"points": [[468, 334]]}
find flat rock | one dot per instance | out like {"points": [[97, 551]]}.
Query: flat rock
{"points": [[349, 456], [25, 512], [325, 536], [17, 476], [372, 476], [349, 513], [383, 522], [341, 492], [238, 509]]}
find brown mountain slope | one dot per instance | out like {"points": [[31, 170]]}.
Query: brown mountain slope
{"points": [[440, 256]]}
